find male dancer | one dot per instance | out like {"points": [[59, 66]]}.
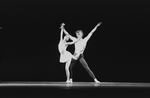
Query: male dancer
{"points": [[79, 49]]}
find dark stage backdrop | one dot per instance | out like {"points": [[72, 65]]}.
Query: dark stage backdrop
{"points": [[118, 50]]}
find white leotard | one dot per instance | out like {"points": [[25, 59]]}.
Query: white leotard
{"points": [[64, 54]]}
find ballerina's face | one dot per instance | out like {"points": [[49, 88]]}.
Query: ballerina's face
{"points": [[66, 38]]}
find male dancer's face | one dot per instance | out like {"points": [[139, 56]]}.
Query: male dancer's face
{"points": [[79, 34]]}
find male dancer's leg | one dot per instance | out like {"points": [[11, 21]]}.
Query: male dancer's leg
{"points": [[85, 65]]}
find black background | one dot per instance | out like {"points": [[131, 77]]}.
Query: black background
{"points": [[118, 50]]}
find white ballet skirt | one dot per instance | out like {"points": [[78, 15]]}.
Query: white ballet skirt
{"points": [[65, 56]]}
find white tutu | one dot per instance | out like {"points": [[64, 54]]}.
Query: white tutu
{"points": [[65, 57]]}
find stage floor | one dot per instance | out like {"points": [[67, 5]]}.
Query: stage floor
{"points": [[75, 90], [74, 84]]}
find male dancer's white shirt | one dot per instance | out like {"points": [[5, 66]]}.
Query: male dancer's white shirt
{"points": [[81, 45]]}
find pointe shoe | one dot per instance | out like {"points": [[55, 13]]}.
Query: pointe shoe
{"points": [[96, 81], [69, 81]]}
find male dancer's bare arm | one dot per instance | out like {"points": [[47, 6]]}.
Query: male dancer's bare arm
{"points": [[90, 34], [70, 43], [71, 37]]}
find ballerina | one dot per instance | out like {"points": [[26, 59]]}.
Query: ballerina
{"points": [[65, 56]]}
